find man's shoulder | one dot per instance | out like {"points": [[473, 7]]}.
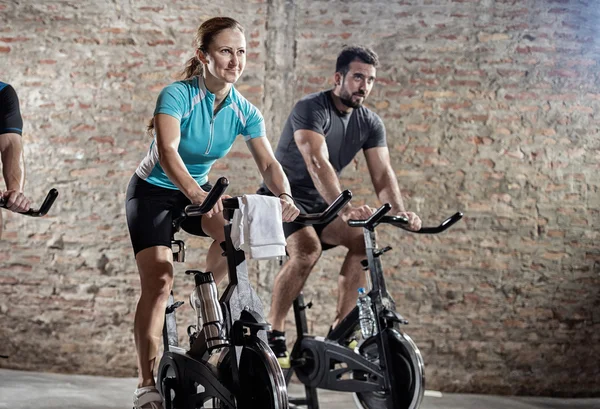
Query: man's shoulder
{"points": [[368, 115], [314, 98], [318, 101]]}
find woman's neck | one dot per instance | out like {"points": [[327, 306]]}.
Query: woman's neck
{"points": [[219, 88]]}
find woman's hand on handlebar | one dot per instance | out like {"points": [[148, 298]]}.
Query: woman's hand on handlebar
{"points": [[16, 201], [414, 221], [200, 195], [289, 211]]}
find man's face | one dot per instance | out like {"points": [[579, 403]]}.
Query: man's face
{"points": [[356, 85]]}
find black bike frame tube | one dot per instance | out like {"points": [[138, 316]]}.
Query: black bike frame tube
{"points": [[234, 258], [378, 291], [385, 351], [300, 316], [378, 287]]}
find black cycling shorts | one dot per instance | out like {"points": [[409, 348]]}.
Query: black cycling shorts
{"points": [[306, 206], [150, 211]]}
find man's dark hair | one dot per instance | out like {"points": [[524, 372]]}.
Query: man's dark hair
{"points": [[354, 53]]}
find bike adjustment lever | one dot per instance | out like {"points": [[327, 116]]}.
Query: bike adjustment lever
{"points": [[379, 252], [390, 315], [307, 305], [174, 306]]}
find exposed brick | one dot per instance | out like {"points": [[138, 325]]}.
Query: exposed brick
{"points": [[490, 110]]}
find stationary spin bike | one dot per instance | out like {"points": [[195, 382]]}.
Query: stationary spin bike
{"points": [[386, 370], [229, 364]]}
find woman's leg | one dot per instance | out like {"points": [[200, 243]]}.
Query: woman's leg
{"points": [[155, 265], [216, 263]]}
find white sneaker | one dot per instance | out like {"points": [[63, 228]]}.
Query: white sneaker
{"points": [[147, 398]]}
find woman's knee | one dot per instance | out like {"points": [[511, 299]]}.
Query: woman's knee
{"points": [[156, 274]]}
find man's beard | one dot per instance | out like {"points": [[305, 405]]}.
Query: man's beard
{"points": [[346, 99]]}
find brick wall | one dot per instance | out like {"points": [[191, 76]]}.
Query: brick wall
{"points": [[490, 107]]}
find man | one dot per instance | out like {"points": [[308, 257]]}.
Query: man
{"points": [[11, 151], [322, 135]]}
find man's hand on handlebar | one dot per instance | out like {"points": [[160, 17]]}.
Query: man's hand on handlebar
{"points": [[414, 221], [16, 201], [289, 211], [356, 213]]}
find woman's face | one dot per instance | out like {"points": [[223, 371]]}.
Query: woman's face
{"points": [[226, 56]]}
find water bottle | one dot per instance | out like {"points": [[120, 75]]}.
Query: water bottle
{"points": [[366, 317], [205, 301]]}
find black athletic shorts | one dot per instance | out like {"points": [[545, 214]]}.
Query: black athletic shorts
{"points": [[306, 206], [150, 210]]}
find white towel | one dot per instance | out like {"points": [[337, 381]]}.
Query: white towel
{"points": [[257, 227]]}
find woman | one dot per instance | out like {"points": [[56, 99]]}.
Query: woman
{"points": [[195, 122]]}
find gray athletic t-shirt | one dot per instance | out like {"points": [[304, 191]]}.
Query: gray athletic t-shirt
{"points": [[345, 135]]}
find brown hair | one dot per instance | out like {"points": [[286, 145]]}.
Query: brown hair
{"points": [[204, 36]]}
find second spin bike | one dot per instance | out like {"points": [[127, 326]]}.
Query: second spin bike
{"points": [[386, 370]]}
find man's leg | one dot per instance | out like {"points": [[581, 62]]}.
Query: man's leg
{"points": [[304, 249], [352, 276]]}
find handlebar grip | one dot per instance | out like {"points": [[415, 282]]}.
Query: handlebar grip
{"points": [[397, 221], [211, 199], [44, 208], [328, 214], [443, 226], [374, 219]]}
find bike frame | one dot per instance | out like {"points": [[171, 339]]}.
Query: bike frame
{"points": [[244, 327], [387, 320], [347, 326]]}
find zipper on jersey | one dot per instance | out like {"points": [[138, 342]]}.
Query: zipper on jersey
{"points": [[210, 136], [212, 125]]}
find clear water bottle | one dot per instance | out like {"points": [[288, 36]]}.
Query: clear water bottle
{"points": [[205, 301], [366, 317]]}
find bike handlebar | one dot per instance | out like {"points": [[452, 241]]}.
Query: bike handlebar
{"points": [[379, 217], [328, 214], [44, 208], [311, 218], [211, 199]]}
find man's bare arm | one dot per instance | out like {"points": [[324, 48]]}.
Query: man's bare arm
{"points": [[313, 148], [384, 178]]}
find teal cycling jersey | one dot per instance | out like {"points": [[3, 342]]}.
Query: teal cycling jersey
{"points": [[205, 136]]}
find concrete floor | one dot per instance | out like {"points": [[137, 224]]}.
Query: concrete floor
{"points": [[27, 390]]}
